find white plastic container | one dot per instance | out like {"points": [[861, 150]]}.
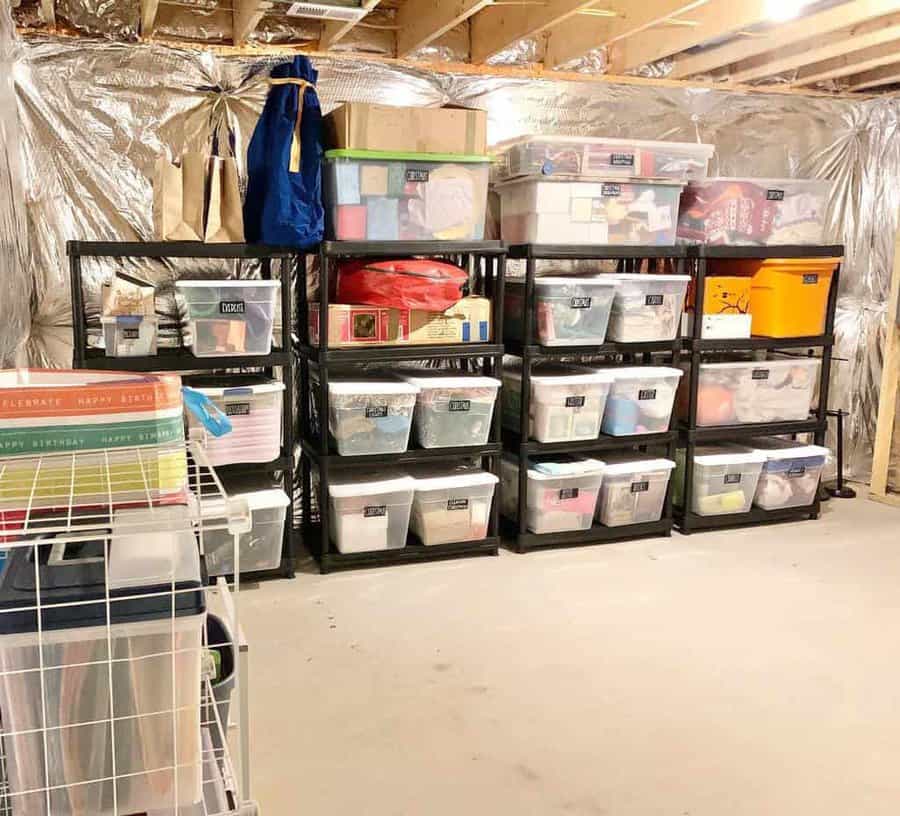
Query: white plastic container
{"points": [[567, 403], [370, 416], [633, 490], [602, 157], [452, 507], [559, 210], [725, 479], [561, 496], [453, 411], [229, 318], [790, 475], [567, 311], [129, 335], [260, 548], [740, 393], [253, 405], [647, 308], [640, 400], [369, 513]]}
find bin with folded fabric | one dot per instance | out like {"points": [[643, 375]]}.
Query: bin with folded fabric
{"points": [[640, 400], [568, 311], [452, 410], [725, 479], [452, 506], [369, 511], [634, 489], [790, 476], [130, 335], [370, 416], [561, 493], [567, 402], [647, 308]]}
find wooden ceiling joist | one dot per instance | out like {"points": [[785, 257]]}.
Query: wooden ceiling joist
{"points": [[420, 22], [245, 16], [855, 62], [819, 48], [149, 8], [778, 37], [48, 12], [877, 78], [335, 30]]}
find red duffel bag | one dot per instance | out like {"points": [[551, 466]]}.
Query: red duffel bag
{"points": [[404, 284]]}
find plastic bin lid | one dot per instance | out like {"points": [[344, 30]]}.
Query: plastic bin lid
{"points": [[627, 466], [472, 479], [735, 456], [782, 449], [373, 387], [793, 361], [642, 372], [537, 177], [427, 382], [541, 471], [590, 280], [636, 276], [269, 499], [563, 375], [236, 390], [215, 284], [348, 486], [390, 155], [128, 320], [692, 147], [761, 181]]}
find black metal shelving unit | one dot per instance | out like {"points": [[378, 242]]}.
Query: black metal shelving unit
{"points": [[519, 442], [487, 260], [691, 435], [182, 360]]}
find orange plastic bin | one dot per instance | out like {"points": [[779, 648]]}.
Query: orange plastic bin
{"points": [[788, 296]]}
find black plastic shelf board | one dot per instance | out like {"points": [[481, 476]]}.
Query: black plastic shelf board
{"points": [[760, 343], [539, 352], [724, 432], [335, 460], [603, 442], [693, 522], [394, 249], [375, 354], [552, 252], [182, 360], [598, 534], [412, 553], [173, 249], [777, 251]]}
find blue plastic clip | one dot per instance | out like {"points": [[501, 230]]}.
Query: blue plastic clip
{"points": [[206, 411]]}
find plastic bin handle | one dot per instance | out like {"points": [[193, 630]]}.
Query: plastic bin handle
{"points": [[205, 410]]}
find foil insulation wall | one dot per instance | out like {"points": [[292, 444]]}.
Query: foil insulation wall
{"points": [[95, 115]]}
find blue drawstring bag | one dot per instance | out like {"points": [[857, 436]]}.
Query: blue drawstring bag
{"points": [[283, 206]]}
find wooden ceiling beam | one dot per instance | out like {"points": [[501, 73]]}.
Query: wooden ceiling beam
{"points": [[855, 62], [818, 49], [245, 15], [335, 30], [420, 22], [879, 77], [578, 35], [781, 36]]}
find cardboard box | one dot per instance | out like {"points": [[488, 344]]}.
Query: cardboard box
{"points": [[363, 126], [127, 295], [468, 321], [357, 325], [726, 308]]}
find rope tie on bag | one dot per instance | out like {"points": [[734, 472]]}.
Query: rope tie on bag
{"points": [[302, 84]]}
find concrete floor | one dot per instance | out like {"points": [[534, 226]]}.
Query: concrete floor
{"points": [[753, 672]]}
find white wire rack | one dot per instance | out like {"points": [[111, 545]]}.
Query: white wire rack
{"points": [[106, 702]]}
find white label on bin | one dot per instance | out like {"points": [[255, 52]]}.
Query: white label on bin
{"points": [[774, 195], [654, 300], [417, 175], [796, 470], [647, 394], [640, 487], [760, 374], [460, 405], [237, 409], [610, 190], [580, 303], [231, 307], [575, 402], [813, 278], [732, 478], [374, 510], [131, 334], [457, 504], [376, 411], [568, 493], [621, 159]]}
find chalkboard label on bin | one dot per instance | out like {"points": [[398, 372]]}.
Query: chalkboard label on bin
{"points": [[640, 487], [374, 510], [621, 159], [457, 504], [774, 195], [417, 175], [647, 394], [760, 374], [568, 493], [732, 478], [575, 402], [460, 405], [231, 307], [237, 409], [580, 303], [131, 334], [611, 190], [796, 470], [653, 300], [376, 411], [813, 278]]}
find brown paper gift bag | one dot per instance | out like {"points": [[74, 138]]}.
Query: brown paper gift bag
{"points": [[225, 209], [179, 198]]}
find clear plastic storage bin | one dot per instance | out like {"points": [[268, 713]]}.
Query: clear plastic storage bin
{"points": [[370, 416], [260, 548], [369, 512], [566, 403], [452, 507], [601, 157], [376, 196], [567, 311], [129, 335], [647, 308], [453, 411], [640, 400], [753, 211], [253, 405], [562, 494], [633, 490], [740, 393], [790, 476], [556, 210], [725, 479], [229, 318]]}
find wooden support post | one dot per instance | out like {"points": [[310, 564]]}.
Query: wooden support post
{"points": [[48, 12], [148, 17], [245, 16]]}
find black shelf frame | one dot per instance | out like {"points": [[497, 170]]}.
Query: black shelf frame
{"points": [[693, 435], [532, 353], [182, 360], [487, 261]]}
